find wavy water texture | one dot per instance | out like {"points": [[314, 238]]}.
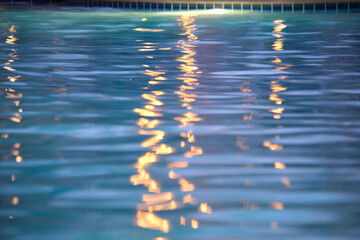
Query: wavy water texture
{"points": [[134, 125]]}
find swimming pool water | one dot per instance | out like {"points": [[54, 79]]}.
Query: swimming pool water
{"points": [[137, 125]]}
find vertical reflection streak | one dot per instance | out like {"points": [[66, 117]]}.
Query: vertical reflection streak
{"points": [[189, 78], [14, 95], [149, 121], [276, 88]]}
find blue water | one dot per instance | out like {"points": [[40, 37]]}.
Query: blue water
{"points": [[137, 125]]}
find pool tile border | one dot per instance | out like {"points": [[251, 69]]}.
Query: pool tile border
{"points": [[296, 6]]}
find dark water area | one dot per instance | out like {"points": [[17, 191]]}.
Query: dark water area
{"points": [[179, 126]]}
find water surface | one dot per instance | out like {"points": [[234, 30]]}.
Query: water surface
{"points": [[134, 125]]}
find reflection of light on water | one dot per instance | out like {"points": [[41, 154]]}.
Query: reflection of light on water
{"points": [[217, 11], [277, 112], [15, 96], [280, 26], [161, 238], [146, 160], [185, 185], [278, 43], [189, 199], [279, 165], [153, 73], [15, 201], [190, 72], [272, 146], [188, 118], [148, 30], [277, 205], [240, 142], [13, 78], [144, 122], [178, 164], [194, 223], [147, 111], [285, 181], [163, 149], [205, 208], [149, 122], [152, 221], [275, 86], [193, 152], [10, 68], [158, 135]]}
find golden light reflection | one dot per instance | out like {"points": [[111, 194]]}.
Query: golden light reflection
{"points": [[276, 89], [277, 205], [165, 49], [205, 208], [189, 199], [178, 164], [187, 97], [279, 165], [277, 110], [158, 136], [11, 39], [4, 135], [275, 85], [15, 201], [146, 159], [14, 95], [193, 152], [280, 26], [153, 73], [185, 185], [286, 182], [147, 112], [152, 99], [146, 50], [163, 149], [173, 175], [151, 221], [157, 200], [277, 33], [146, 123], [10, 68], [148, 30], [144, 178], [194, 224], [272, 146], [182, 220], [172, 205], [149, 124], [188, 118]]}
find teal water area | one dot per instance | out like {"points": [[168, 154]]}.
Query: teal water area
{"points": [[179, 126]]}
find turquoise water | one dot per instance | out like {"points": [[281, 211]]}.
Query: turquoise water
{"points": [[135, 125]]}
